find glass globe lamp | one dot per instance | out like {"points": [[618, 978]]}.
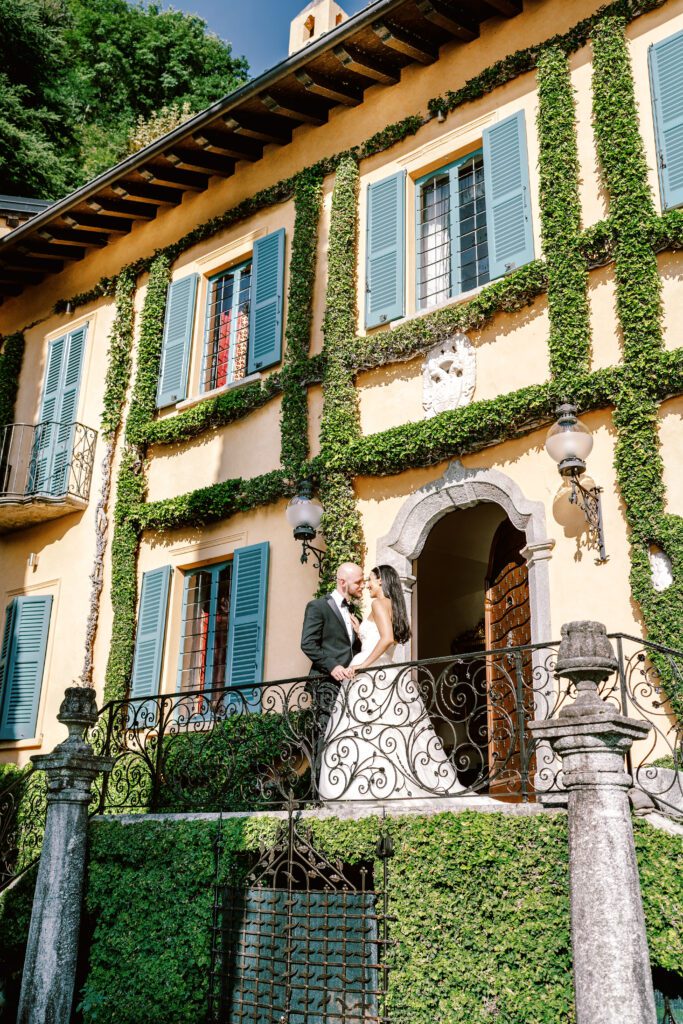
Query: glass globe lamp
{"points": [[304, 514], [568, 442]]}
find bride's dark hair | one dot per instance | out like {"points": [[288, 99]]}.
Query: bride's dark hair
{"points": [[391, 585]]}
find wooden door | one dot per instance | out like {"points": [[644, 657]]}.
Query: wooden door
{"points": [[507, 622]]}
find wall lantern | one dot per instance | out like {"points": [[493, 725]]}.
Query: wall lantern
{"points": [[569, 443], [304, 515]]}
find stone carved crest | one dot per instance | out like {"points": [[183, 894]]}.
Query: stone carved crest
{"points": [[661, 569], [449, 374]]}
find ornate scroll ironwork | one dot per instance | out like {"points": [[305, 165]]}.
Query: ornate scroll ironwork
{"points": [[23, 807], [46, 461], [303, 940]]}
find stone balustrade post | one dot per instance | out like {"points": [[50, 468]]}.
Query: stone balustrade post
{"points": [[612, 975], [48, 979]]}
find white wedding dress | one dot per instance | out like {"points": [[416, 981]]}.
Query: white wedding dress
{"points": [[379, 742]]}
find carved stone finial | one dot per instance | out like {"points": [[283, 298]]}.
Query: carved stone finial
{"points": [[78, 712], [586, 658]]}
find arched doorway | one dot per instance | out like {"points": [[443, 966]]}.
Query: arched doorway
{"points": [[473, 555]]}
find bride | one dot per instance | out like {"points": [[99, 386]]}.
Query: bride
{"points": [[379, 741]]}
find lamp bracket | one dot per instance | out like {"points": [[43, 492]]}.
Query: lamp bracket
{"points": [[588, 500]]}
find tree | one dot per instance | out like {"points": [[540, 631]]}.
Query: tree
{"points": [[81, 75]]}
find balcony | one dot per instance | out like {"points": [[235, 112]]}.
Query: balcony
{"points": [[45, 471]]}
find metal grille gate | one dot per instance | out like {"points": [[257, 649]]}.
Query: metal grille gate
{"points": [[302, 940]]}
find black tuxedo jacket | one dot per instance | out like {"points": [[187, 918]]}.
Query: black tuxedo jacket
{"points": [[324, 638]]}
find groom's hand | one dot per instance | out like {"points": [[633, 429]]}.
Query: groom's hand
{"points": [[339, 673]]}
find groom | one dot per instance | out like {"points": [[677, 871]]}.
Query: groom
{"points": [[329, 641]]}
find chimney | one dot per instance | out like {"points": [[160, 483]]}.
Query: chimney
{"points": [[318, 17]]}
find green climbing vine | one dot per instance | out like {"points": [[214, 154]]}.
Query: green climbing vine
{"points": [[294, 417], [11, 358], [569, 338], [130, 494], [632, 214], [340, 423]]}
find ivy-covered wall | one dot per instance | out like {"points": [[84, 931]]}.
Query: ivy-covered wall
{"points": [[479, 907], [629, 238]]}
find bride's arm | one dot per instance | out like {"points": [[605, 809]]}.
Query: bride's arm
{"points": [[381, 610]]}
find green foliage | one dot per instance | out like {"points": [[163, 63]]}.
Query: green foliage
{"points": [[15, 917], [11, 359], [80, 73], [340, 423], [119, 360], [478, 905], [228, 768], [638, 461], [294, 416], [569, 340]]}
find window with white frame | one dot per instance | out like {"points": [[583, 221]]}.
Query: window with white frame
{"points": [[452, 244]]}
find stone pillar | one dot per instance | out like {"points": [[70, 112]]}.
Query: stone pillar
{"points": [[50, 964], [612, 978]]}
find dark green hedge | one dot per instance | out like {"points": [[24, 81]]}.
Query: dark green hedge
{"points": [[480, 905]]}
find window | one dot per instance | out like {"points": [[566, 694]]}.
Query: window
{"points": [[666, 59], [222, 627], [204, 641], [22, 662], [227, 328], [54, 436], [451, 245], [243, 323], [473, 222]]}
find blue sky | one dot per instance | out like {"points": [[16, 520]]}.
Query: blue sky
{"points": [[258, 29]]}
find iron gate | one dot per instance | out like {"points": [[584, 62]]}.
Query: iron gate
{"points": [[303, 939]]}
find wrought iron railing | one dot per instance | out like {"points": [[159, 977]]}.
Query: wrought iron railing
{"points": [[450, 727], [48, 460], [23, 805]]}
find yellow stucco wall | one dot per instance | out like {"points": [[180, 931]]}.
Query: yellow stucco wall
{"points": [[511, 353]]}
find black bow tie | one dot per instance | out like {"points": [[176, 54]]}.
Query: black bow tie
{"points": [[345, 603]]}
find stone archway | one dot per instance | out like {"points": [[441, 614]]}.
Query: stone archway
{"points": [[462, 488]]}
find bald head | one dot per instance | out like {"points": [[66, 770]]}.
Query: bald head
{"points": [[350, 580]]}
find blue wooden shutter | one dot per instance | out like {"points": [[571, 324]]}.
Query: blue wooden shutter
{"points": [[149, 642], [666, 61], [267, 293], [53, 443], [385, 250], [22, 661], [246, 632], [175, 349], [508, 210], [68, 407]]}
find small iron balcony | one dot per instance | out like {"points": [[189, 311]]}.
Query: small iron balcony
{"points": [[45, 471]]}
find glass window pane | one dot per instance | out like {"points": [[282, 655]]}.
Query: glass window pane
{"points": [[434, 242], [472, 238], [227, 330]]}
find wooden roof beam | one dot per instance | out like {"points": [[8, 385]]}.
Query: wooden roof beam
{"points": [[405, 43], [42, 265], [67, 236], [174, 177], [291, 110], [157, 194], [444, 17], [366, 65], [122, 208], [329, 90], [508, 8], [255, 128], [204, 160], [36, 248], [20, 277], [91, 222], [224, 147]]}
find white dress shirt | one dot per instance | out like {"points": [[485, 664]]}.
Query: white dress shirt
{"points": [[346, 614]]}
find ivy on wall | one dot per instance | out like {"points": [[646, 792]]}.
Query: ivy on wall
{"points": [[569, 338], [479, 907], [637, 457], [11, 358], [631, 236], [294, 415], [130, 491], [340, 422]]}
